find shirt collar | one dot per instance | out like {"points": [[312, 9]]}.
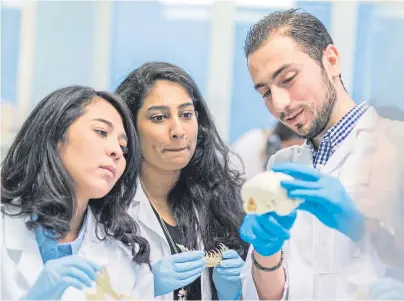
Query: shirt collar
{"points": [[46, 240], [339, 131]]}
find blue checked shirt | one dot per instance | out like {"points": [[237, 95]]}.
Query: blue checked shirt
{"points": [[335, 135]]}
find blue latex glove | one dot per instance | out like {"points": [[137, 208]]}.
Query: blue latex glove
{"points": [[267, 232], [175, 271], [387, 289], [226, 276], [59, 274], [325, 197]]}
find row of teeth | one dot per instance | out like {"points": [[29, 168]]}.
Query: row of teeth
{"points": [[213, 254]]}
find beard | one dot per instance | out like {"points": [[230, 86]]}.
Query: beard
{"points": [[321, 115]]}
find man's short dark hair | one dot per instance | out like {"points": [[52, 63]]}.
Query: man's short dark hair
{"points": [[308, 31]]}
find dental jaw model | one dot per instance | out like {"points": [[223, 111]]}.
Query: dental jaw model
{"points": [[213, 258], [104, 290], [263, 193]]}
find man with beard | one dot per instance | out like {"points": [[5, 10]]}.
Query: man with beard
{"points": [[327, 242]]}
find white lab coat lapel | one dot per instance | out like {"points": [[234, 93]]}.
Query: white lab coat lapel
{"points": [[303, 155], [357, 141], [105, 253], [150, 228], [206, 292], [22, 242], [91, 247], [144, 214]]}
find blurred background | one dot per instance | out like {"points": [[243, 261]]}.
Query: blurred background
{"points": [[46, 45]]}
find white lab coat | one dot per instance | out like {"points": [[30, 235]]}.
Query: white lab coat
{"points": [[321, 262], [151, 230], [21, 262]]}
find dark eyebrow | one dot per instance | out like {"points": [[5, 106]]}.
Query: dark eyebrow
{"points": [[273, 77], [279, 71], [107, 122], [111, 126], [157, 108], [166, 108], [187, 104]]}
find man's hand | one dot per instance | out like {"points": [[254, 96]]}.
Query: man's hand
{"points": [[325, 197]]}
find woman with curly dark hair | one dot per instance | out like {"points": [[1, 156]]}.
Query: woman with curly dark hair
{"points": [[190, 196], [66, 185]]}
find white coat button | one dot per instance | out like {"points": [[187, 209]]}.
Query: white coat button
{"points": [[320, 166]]}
